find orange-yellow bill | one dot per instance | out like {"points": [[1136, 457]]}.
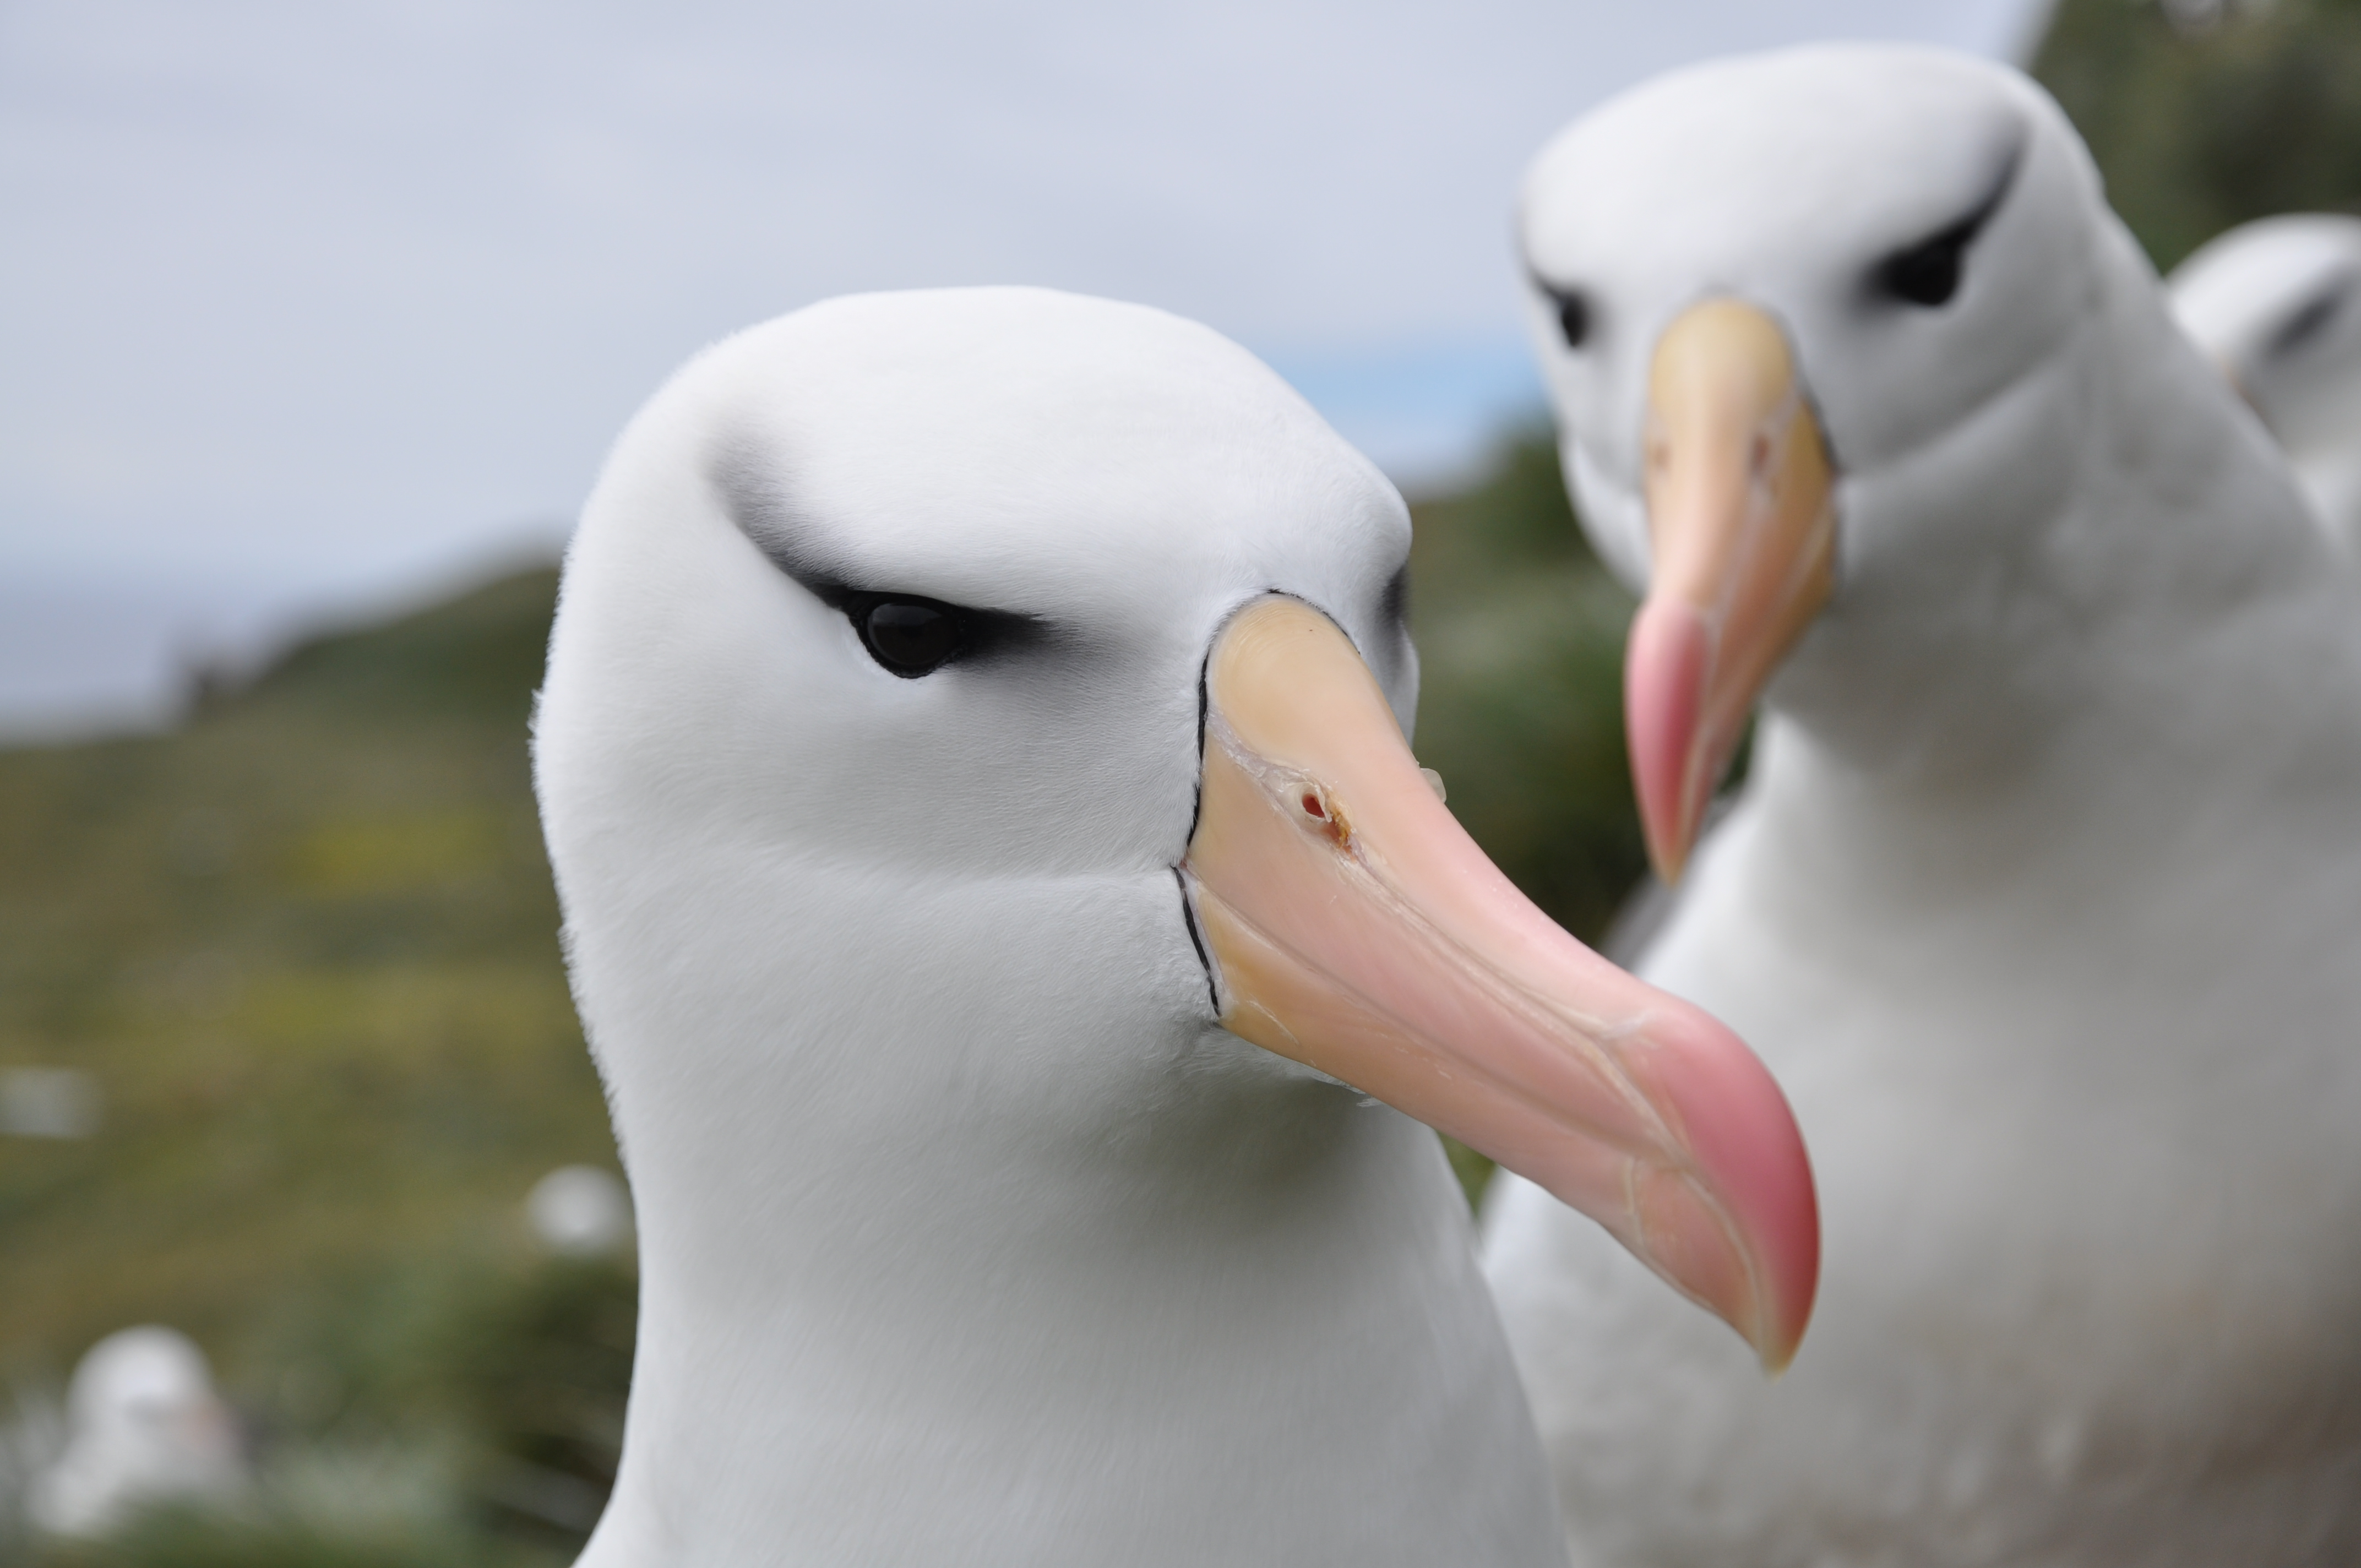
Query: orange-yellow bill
{"points": [[1743, 543], [1355, 927]]}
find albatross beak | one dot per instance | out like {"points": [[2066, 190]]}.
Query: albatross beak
{"points": [[1355, 927], [1742, 530]]}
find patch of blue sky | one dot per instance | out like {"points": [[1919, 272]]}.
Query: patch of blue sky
{"points": [[1428, 412]]}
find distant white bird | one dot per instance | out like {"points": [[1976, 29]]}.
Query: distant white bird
{"points": [[144, 1426], [580, 1211], [47, 1103], [2277, 304], [962, 706], [2043, 897]]}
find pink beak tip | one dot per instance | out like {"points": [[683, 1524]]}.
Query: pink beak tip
{"points": [[1664, 670], [1742, 1134]]}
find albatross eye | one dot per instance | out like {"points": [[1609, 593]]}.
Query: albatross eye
{"points": [[1927, 274], [1573, 315], [909, 637]]}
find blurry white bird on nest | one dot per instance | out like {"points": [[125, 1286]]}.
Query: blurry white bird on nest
{"points": [[143, 1427], [581, 1212], [2276, 304], [2043, 895], [962, 706]]}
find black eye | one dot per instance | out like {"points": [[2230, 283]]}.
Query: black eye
{"points": [[909, 637], [1573, 317], [1928, 274]]}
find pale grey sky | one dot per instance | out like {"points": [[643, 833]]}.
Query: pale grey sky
{"points": [[307, 304]]}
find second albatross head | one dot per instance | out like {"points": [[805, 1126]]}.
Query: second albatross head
{"points": [[1816, 324], [2276, 303], [986, 710]]}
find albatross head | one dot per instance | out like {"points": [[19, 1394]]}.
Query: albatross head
{"points": [[972, 718], [2276, 304], [1810, 323]]}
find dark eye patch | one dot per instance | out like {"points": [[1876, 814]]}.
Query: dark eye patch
{"points": [[1927, 272], [1572, 316], [909, 635], [1572, 307], [2309, 323]]}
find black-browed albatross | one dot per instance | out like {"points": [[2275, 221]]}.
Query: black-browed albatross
{"points": [[962, 706], [2043, 897]]}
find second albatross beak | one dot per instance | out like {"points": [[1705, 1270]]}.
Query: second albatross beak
{"points": [[1743, 543], [1355, 927]]}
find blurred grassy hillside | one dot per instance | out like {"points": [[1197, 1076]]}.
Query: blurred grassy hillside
{"points": [[306, 946], [2203, 114]]}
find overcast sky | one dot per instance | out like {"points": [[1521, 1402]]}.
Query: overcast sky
{"points": [[306, 301]]}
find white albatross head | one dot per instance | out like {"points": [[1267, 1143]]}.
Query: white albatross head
{"points": [[965, 704], [973, 716], [2276, 303], [1834, 336]]}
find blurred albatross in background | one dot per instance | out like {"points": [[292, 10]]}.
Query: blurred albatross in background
{"points": [[144, 1429], [962, 706], [2276, 304], [2043, 898]]}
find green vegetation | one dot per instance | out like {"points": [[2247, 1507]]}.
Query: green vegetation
{"points": [[2204, 113], [306, 945]]}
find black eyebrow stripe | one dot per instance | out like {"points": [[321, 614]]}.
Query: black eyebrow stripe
{"points": [[1963, 229], [753, 500], [2320, 307]]}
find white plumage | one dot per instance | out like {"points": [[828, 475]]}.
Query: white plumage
{"points": [[2043, 898], [144, 1428], [968, 1234], [580, 1211], [2276, 304]]}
